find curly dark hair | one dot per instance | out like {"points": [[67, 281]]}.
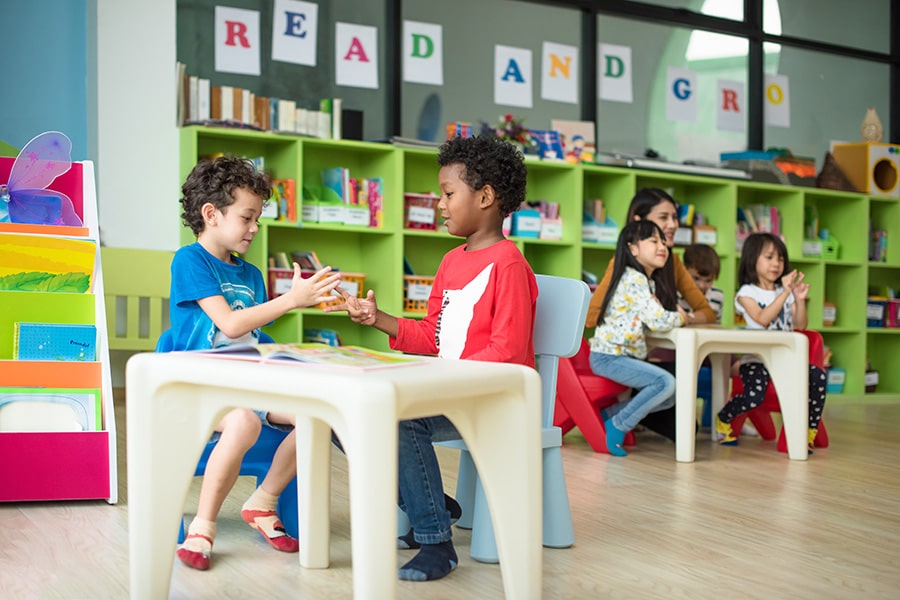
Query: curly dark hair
{"points": [[214, 181], [488, 160]]}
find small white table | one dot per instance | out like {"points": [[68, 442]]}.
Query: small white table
{"points": [[174, 399], [784, 353]]}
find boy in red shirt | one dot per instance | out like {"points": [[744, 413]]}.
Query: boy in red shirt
{"points": [[481, 307]]}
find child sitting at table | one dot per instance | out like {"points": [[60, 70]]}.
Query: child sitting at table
{"points": [[637, 297], [481, 307], [702, 264], [771, 296], [217, 299]]}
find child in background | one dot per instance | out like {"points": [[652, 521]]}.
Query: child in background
{"points": [[702, 263], [481, 307], [217, 299], [771, 296], [618, 348]]}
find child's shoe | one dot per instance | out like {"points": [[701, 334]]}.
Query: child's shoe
{"points": [[615, 437], [811, 439], [724, 433]]}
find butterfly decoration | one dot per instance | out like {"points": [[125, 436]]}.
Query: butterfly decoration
{"points": [[24, 198]]}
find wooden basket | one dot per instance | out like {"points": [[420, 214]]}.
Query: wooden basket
{"points": [[416, 289]]}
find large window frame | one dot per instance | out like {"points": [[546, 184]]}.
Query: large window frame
{"points": [[751, 28]]}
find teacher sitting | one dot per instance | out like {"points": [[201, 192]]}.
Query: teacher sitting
{"points": [[654, 204]]}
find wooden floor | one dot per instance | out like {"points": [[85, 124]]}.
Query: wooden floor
{"points": [[740, 522]]}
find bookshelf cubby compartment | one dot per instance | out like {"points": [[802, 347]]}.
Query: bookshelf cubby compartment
{"points": [[379, 253], [60, 465]]}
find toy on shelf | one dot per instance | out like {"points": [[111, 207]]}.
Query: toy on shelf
{"points": [[24, 198]]}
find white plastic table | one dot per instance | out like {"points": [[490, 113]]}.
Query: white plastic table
{"points": [[784, 353], [174, 399]]}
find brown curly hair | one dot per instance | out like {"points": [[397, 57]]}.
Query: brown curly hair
{"points": [[214, 181]]}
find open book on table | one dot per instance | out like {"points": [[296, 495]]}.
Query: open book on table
{"points": [[352, 357]]}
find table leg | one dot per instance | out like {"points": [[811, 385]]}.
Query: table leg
{"points": [[505, 443], [720, 365], [371, 443], [789, 369], [314, 491], [162, 436], [686, 367]]}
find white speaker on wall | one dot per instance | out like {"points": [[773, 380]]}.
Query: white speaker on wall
{"points": [[872, 167]]}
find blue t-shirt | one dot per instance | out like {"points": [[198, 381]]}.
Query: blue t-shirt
{"points": [[197, 274]]}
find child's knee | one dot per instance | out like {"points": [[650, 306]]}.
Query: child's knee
{"points": [[242, 421]]}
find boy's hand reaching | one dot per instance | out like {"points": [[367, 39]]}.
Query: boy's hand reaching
{"points": [[360, 310], [315, 289]]}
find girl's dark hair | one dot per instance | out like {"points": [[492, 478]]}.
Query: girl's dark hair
{"points": [[753, 247], [214, 181], [632, 233], [644, 201], [488, 160]]}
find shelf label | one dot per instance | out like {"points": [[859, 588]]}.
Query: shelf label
{"points": [[418, 291], [420, 214]]}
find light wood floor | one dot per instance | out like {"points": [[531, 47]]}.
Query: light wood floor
{"points": [[738, 523]]}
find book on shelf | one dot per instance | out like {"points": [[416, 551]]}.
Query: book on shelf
{"points": [[307, 259], [284, 196], [321, 355], [333, 107], [330, 337], [203, 99], [50, 409], [46, 263], [54, 341], [577, 138]]}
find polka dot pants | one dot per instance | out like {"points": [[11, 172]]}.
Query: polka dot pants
{"points": [[756, 378]]}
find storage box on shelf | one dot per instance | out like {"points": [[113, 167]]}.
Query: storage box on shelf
{"points": [[844, 280]]}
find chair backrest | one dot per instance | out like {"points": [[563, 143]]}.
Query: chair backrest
{"points": [[561, 309], [136, 287]]}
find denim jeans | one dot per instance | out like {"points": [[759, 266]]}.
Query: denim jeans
{"points": [[421, 487], [656, 385]]}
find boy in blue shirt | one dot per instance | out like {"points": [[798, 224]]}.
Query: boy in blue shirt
{"points": [[217, 299]]}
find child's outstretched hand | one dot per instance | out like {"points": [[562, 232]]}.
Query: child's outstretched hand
{"points": [[314, 289], [686, 318], [788, 280], [801, 289], [360, 310]]}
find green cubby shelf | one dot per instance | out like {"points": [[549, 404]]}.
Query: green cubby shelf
{"points": [[845, 280]]}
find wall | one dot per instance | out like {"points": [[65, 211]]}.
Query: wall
{"points": [[43, 71]]}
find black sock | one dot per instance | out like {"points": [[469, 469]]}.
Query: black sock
{"points": [[408, 541], [433, 561]]}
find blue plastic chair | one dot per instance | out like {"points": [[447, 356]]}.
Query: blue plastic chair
{"points": [[558, 330], [256, 461]]}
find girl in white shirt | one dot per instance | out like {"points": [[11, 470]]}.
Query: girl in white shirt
{"points": [[771, 296], [618, 348]]}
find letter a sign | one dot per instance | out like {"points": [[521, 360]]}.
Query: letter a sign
{"points": [[423, 54]]}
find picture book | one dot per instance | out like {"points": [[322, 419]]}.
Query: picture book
{"points": [[55, 341], [578, 139], [322, 355], [46, 263], [50, 409]]}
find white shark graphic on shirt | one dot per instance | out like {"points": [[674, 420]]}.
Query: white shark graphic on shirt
{"points": [[457, 309]]}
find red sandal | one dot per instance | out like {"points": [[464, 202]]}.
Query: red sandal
{"points": [[282, 542], [195, 560]]}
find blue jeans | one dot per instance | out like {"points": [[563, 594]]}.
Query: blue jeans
{"points": [[421, 487], [656, 385]]}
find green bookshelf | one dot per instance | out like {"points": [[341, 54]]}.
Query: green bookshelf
{"points": [[846, 280]]}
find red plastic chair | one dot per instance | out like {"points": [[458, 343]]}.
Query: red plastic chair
{"points": [[761, 416], [580, 394]]}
